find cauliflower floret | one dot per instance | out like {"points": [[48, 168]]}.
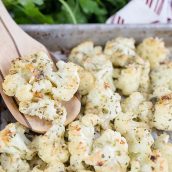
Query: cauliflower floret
{"points": [[24, 72], [138, 106], [155, 162], [84, 50], [33, 67], [51, 147], [131, 103], [80, 138], [44, 86], [13, 163], [165, 148], [129, 79], [161, 78], [30, 82], [154, 50], [121, 50], [162, 116], [134, 77], [66, 81], [87, 81], [43, 108], [40, 65], [14, 142], [101, 68], [137, 134], [79, 53], [103, 102], [109, 153], [11, 83], [94, 61]]}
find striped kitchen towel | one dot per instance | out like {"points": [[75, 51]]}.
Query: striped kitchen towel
{"points": [[143, 11]]}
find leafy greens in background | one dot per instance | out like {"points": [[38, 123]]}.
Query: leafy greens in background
{"points": [[62, 11]]}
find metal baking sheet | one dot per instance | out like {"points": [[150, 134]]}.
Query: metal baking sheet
{"points": [[63, 37], [57, 37]]}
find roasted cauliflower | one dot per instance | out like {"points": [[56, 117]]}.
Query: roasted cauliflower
{"points": [[14, 142], [109, 153], [154, 50], [120, 50]]}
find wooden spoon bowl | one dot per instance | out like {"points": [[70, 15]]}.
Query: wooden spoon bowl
{"points": [[16, 43]]}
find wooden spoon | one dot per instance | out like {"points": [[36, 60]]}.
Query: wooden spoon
{"points": [[14, 43]]}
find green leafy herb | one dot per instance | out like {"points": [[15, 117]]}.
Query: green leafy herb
{"points": [[62, 11]]}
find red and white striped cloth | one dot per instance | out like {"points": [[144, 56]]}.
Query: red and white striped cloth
{"points": [[143, 11]]}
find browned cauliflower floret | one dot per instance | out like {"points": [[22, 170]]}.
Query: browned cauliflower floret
{"points": [[138, 106], [133, 77], [51, 147], [120, 50], [80, 135], [161, 78], [79, 53], [65, 80], [84, 50], [14, 142], [45, 108], [103, 102], [137, 134], [109, 153], [129, 79], [33, 67], [162, 115], [93, 60], [12, 83], [154, 50], [155, 162], [101, 68], [38, 88]]}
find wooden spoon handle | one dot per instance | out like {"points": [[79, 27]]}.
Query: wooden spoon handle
{"points": [[6, 18], [14, 38], [8, 47]]}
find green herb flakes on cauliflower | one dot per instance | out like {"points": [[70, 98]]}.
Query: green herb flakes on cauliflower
{"points": [[137, 134], [44, 109], [162, 115], [51, 146], [161, 80], [120, 50], [14, 142], [38, 88], [133, 77], [66, 81], [109, 153], [103, 102], [154, 50], [80, 135]]}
